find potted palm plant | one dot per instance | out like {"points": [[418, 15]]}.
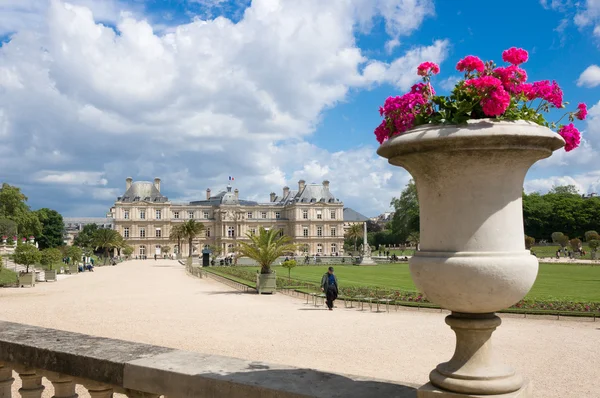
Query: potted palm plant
{"points": [[190, 231], [27, 255], [264, 248], [468, 154], [49, 258]]}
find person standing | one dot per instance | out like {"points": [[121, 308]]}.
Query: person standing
{"points": [[329, 285]]}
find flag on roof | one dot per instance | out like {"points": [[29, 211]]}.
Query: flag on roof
{"points": [[231, 178]]}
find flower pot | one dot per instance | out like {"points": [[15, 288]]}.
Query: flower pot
{"points": [[73, 269], [27, 279], [266, 283], [472, 257], [50, 275]]}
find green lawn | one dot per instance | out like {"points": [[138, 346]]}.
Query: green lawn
{"points": [[550, 251], [555, 281]]}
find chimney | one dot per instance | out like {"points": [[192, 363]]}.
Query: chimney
{"points": [[128, 182], [286, 191], [208, 194], [273, 196], [326, 185], [157, 183], [237, 194], [301, 185]]}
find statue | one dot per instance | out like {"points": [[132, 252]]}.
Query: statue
{"points": [[366, 251]]}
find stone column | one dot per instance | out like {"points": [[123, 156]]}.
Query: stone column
{"points": [[64, 386], [99, 390], [32, 383], [366, 254], [6, 381]]}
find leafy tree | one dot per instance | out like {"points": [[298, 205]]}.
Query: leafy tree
{"points": [[557, 236], [74, 253], [529, 242], [372, 226], [594, 244], [354, 233], [177, 235], [85, 238], [50, 257], [27, 255], [564, 190], [191, 229], [265, 247], [106, 240], [165, 249], [52, 228], [8, 228], [563, 240], [289, 264], [127, 250], [13, 206], [406, 213], [591, 235], [575, 244]]}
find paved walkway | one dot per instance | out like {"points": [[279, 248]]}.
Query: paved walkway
{"points": [[157, 303]]}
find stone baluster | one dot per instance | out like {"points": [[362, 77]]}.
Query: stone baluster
{"points": [[6, 381], [99, 390], [64, 386], [140, 394], [32, 383]]}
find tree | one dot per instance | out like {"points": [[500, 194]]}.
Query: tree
{"points": [[8, 228], [575, 244], [27, 255], [591, 235], [165, 249], [127, 250], [529, 242], [191, 229], [564, 190], [563, 240], [289, 264], [74, 253], [52, 228], [594, 244], [106, 239], [265, 247], [406, 213], [85, 238], [354, 233], [177, 235], [557, 236], [13, 206], [372, 226], [50, 257]]}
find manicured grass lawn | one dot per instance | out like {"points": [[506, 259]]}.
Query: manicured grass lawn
{"points": [[550, 251], [555, 281], [7, 276]]}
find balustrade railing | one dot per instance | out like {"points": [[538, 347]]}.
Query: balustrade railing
{"points": [[43, 357]]}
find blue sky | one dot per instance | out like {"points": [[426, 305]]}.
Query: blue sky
{"points": [[270, 91]]}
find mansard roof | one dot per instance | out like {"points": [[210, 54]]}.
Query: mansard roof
{"points": [[142, 191]]}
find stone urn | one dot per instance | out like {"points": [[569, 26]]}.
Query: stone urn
{"points": [[472, 259]]}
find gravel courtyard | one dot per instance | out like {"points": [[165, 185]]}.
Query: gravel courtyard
{"points": [[157, 303]]}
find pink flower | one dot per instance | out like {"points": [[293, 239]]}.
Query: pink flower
{"points": [[382, 133], [515, 56], [470, 63], [571, 135], [494, 99], [582, 111], [549, 92], [512, 77], [422, 88], [400, 113], [428, 67]]}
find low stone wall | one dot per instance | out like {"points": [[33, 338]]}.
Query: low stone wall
{"points": [[105, 366]]}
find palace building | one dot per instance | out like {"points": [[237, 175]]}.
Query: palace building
{"points": [[310, 214]]}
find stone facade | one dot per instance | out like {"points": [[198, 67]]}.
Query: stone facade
{"points": [[311, 215]]}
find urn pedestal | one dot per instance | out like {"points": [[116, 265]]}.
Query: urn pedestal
{"points": [[472, 257]]}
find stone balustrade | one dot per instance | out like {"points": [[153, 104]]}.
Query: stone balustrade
{"points": [[106, 366]]}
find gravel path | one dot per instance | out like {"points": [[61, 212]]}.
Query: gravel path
{"points": [[157, 303]]}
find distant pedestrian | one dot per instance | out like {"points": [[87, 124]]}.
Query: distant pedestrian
{"points": [[329, 285], [154, 257]]}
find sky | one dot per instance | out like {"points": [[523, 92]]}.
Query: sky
{"points": [[266, 91]]}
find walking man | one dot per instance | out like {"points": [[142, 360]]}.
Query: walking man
{"points": [[329, 285]]}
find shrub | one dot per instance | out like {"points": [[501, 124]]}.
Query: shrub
{"points": [[529, 242]]}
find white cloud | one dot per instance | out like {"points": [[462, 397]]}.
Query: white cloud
{"points": [[589, 15], [590, 77], [449, 83], [205, 100]]}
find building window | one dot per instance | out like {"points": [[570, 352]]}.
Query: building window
{"points": [[142, 250], [319, 231], [280, 234], [158, 233], [252, 231], [333, 214], [319, 248], [333, 231], [249, 215], [319, 215], [158, 214], [305, 232], [333, 248], [190, 214], [263, 214], [206, 215], [304, 248], [142, 214], [175, 214], [126, 232], [230, 248], [126, 214], [277, 215], [142, 233], [208, 232], [305, 214], [230, 232]]}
